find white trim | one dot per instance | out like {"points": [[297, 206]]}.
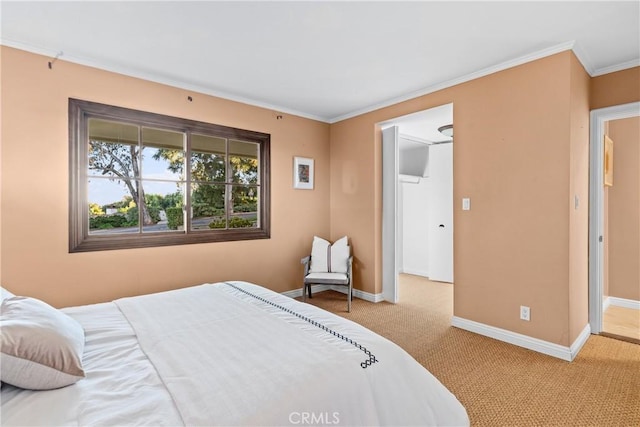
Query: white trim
{"points": [[357, 293], [472, 76], [598, 118], [626, 303], [127, 71], [614, 68], [415, 139], [579, 342], [295, 293], [131, 72], [535, 344], [606, 303], [421, 273], [584, 59], [391, 232]]}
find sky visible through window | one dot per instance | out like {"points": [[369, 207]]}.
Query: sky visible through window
{"points": [[107, 191]]}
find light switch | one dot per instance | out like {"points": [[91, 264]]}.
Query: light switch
{"points": [[466, 204], [576, 202]]}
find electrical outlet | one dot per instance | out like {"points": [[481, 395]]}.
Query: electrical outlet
{"points": [[525, 313]]}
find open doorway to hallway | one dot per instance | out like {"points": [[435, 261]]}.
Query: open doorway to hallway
{"points": [[417, 168], [621, 285], [614, 221]]}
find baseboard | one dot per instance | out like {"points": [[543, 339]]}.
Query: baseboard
{"points": [[295, 293], [606, 303], [367, 296], [535, 344], [416, 272], [580, 341], [626, 303]]}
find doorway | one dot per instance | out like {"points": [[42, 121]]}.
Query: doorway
{"points": [[599, 227], [417, 216]]}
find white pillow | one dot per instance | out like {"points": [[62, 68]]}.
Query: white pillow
{"points": [[4, 294], [40, 347], [328, 258]]}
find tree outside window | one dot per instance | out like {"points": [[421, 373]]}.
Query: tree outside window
{"points": [[151, 180]]}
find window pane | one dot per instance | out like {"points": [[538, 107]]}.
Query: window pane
{"points": [[113, 149], [128, 180], [243, 210], [207, 206], [207, 158], [244, 162], [112, 209], [162, 154], [163, 208]]}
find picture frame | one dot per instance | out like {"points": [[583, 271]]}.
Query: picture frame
{"points": [[303, 173], [608, 161]]}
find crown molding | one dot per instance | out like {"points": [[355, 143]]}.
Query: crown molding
{"points": [[583, 57], [472, 76], [103, 65], [614, 68], [131, 72]]}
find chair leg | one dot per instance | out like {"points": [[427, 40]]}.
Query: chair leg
{"points": [[304, 292], [310, 296], [349, 297]]}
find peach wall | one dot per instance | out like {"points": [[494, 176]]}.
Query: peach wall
{"points": [[1, 102], [624, 210], [34, 241], [512, 156], [616, 88], [579, 190]]}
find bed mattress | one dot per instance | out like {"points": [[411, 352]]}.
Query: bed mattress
{"points": [[233, 353]]}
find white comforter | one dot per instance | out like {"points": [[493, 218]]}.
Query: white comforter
{"points": [[222, 355]]}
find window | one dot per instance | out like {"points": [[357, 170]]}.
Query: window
{"points": [[141, 179]]}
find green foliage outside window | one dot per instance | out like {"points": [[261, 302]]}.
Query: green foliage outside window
{"points": [[174, 218], [234, 222]]}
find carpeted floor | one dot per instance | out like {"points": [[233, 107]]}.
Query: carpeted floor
{"points": [[498, 383]]}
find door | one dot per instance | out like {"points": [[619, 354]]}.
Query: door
{"points": [[390, 174], [440, 216]]}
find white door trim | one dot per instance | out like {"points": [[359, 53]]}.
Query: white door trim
{"points": [[390, 177], [596, 205]]}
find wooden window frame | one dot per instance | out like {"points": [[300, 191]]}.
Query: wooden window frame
{"points": [[79, 238]]}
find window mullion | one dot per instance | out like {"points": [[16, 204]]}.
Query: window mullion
{"points": [[138, 181], [187, 184], [227, 187]]}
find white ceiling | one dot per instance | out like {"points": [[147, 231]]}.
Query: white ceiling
{"points": [[424, 125], [322, 60]]}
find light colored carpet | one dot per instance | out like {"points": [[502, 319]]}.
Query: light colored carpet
{"points": [[498, 383]]}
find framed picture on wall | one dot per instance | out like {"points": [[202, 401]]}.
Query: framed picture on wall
{"points": [[608, 161], [303, 173]]}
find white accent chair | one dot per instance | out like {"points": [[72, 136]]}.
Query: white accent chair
{"points": [[328, 267]]}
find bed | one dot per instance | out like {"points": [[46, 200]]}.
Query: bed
{"points": [[233, 353]]}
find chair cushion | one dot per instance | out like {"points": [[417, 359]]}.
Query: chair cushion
{"points": [[328, 258], [327, 278]]}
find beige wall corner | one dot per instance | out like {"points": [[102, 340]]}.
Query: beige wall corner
{"points": [[624, 210], [579, 201], [512, 156], [1, 188], [34, 240]]}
